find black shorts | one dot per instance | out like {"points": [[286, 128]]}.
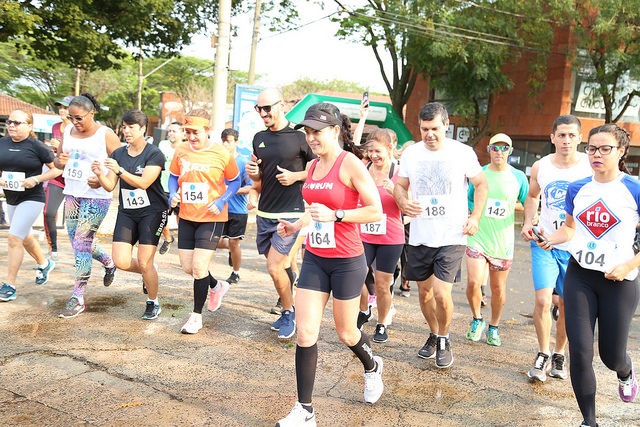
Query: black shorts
{"points": [[145, 230], [342, 276], [444, 262], [385, 256], [201, 235], [236, 226]]}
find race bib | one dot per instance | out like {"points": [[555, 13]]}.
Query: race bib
{"points": [[434, 206], [13, 180], [194, 192], [135, 199], [496, 209], [322, 235], [77, 170], [378, 228], [595, 255]]}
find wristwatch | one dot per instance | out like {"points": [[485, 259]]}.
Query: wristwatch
{"points": [[120, 172], [339, 215]]}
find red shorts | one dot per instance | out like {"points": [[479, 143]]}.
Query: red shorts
{"points": [[495, 264]]}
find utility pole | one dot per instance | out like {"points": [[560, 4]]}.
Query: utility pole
{"points": [[221, 67], [254, 42]]}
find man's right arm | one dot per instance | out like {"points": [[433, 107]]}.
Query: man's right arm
{"points": [[531, 203]]}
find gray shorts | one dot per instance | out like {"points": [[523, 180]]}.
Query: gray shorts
{"points": [[23, 216], [268, 237], [444, 262]]}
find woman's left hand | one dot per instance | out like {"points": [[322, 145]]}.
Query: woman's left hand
{"points": [[29, 182], [112, 165], [213, 209], [617, 273]]}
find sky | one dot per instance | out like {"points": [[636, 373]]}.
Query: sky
{"points": [[311, 51]]}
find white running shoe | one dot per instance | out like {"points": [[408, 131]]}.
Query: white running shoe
{"points": [[193, 325], [298, 417], [373, 386]]}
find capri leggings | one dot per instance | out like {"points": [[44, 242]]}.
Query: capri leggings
{"points": [[54, 198], [22, 216], [589, 296], [84, 217]]}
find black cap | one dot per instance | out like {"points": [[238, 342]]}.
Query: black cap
{"points": [[318, 119]]}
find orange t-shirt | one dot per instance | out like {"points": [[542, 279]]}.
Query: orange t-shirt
{"points": [[201, 176]]}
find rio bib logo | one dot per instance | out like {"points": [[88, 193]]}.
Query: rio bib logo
{"points": [[598, 219]]}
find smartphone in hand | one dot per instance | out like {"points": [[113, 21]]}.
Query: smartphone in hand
{"points": [[365, 100], [538, 234]]}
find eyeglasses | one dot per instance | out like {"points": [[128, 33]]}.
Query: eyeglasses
{"points": [[16, 123], [265, 108], [603, 149], [77, 118], [496, 148]]}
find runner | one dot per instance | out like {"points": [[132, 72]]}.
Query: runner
{"points": [[601, 283], [492, 245], [198, 172], [142, 211], [334, 261], [21, 159], [168, 147], [437, 170], [550, 177], [86, 202], [383, 240]]}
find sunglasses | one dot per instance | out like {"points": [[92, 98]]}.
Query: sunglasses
{"points": [[77, 119], [16, 123], [265, 108], [496, 148]]}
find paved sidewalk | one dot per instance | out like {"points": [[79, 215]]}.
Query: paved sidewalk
{"points": [[107, 367]]}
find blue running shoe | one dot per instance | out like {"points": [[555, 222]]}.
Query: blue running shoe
{"points": [[7, 292], [475, 329], [42, 274], [287, 324]]}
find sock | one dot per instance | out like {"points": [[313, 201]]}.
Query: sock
{"points": [[237, 272], [363, 351], [367, 311], [200, 292], [478, 318], [213, 282], [306, 365], [155, 301], [494, 327], [308, 408], [289, 272], [561, 353], [111, 264], [442, 336]]}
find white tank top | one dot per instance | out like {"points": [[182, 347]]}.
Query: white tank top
{"points": [[553, 183], [82, 152]]}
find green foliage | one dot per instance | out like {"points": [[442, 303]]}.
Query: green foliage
{"points": [[301, 87]]}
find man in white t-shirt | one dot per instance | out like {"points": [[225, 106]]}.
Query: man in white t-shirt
{"points": [[437, 171]]}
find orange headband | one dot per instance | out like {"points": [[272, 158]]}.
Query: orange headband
{"points": [[192, 121]]}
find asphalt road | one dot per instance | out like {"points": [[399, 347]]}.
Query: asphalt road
{"points": [[107, 367]]}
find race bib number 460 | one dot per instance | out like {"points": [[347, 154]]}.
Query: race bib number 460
{"points": [[13, 180]]}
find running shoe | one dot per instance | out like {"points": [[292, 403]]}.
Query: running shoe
{"points": [[364, 317], [373, 385], [152, 311], [165, 246], [557, 367], [554, 312], [287, 324], [193, 325], [540, 366], [109, 275], [444, 355], [277, 309], [493, 336], [381, 334], [216, 294], [233, 278], [483, 301], [405, 289], [298, 417], [476, 328], [628, 388], [275, 326], [42, 274], [72, 309], [52, 256], [7, 292], [428, 350]]}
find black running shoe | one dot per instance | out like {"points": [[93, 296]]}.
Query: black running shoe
{"points": [[109, 275]]}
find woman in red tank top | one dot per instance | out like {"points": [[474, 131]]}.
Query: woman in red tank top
{"points": [[334, 259]]}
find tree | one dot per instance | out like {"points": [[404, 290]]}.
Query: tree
{"points": [[301, 87], [607, 41]]}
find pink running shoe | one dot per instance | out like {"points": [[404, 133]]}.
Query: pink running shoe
{"points": [[372, 301], [628, 389], [215, 296]]}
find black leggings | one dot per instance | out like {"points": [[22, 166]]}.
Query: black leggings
{"points": [[53, 200], [589, 296]]}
